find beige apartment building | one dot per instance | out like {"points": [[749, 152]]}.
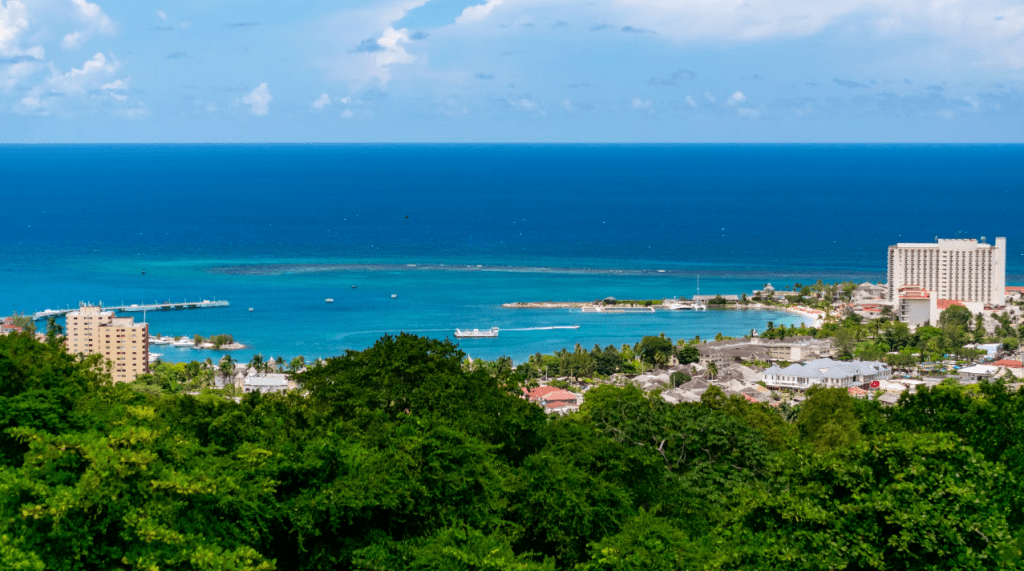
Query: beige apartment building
{"points": [[963, 270], [120, 340]]}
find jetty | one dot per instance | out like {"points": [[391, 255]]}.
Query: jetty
{"points": [[137, 307]]}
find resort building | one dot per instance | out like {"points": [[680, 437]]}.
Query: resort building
{"points": [[800, 348], [267, 383], [121, 341], [962, 270], [826, 373], [918, 306]]}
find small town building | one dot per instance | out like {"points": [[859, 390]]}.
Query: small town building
{"points": [[826, 373], [977, 373], [267, 383]]}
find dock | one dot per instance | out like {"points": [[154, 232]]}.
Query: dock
{"points": [[137, 307]]}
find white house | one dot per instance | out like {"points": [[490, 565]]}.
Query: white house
{"points": [[826, 373]]}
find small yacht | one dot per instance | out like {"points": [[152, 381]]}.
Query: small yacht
{"points": [[329, 300], [476, 333], [250, 309], [394, 295], [353, 286]]}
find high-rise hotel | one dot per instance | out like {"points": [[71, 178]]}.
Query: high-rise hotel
{"points": [[963, 270], [120, 340]]}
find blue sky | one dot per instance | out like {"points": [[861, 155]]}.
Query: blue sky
{"points": [[512, 70]]}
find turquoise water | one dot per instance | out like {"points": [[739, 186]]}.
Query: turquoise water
{"points": [[217, 221], [290, 316]]}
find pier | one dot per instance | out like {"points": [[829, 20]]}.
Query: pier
{"points": [[137, 307]]}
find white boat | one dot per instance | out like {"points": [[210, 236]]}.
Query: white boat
{"points": [[250, 309], [471, 333], [394, 295], [183, 343], [677, 304], [329, 300]]}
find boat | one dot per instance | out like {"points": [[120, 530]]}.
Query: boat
{"points": [[677, 304], [250, 309], [394, 295], [473, 333], [329, 300], [353, 286]]}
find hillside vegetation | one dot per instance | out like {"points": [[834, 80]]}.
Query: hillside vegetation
{"points": [[397, 457]]}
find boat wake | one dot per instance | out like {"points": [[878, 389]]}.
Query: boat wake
{"points": [[544, 328]]}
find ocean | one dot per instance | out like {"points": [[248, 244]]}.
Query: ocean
{"points": [[454, 231]]}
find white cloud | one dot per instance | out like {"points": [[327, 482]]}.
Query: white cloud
{"points": [[393, 51], [322, 102], [477, 13], [736, 98], [748, 112], [710, 97], [13, 20], [568, 106], [72, 41], [118, 89], [638, 103], [95, 20], [162, 15], [93, 16], [523, 104], [75, 85], [259, 100], [691, 101], [991, 29], [23, 62], [347, 114]]}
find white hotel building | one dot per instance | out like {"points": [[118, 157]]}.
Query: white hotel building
{"points": [[963, 270]]}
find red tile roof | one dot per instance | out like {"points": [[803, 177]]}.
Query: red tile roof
{"points": [[1013, 364], [854, 391], [550, 394], [946, 303], [1015, 288], [539, 392], [560, 395]]}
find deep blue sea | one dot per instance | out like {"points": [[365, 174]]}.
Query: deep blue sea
{"points": [[279, 228]]}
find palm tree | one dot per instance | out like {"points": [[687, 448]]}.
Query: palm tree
{"points": [[227, 367], [280, 363], [53, 330], [257, 362], [297, 364], [712, 370]]}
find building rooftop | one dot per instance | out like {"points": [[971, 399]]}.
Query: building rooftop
{"points": [[828, 369]]}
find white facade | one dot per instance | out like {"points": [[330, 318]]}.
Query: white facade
{"points": [[955, 269], [918, 307], [826, 373]]}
